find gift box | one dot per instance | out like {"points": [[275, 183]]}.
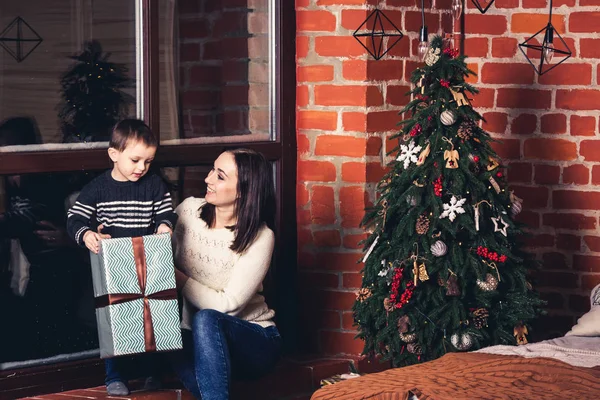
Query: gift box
{"points": [[136, 297]]}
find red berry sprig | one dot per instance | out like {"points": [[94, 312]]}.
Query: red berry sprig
{"points": [[445, 83], [406, 295], [417, 129], [452, 53], [437, 186], [490, 255]]}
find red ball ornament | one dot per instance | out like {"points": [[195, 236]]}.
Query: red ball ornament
{"points": [[499, 174], [476, 158]]}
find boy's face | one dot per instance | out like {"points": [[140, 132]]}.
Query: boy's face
{"points": [[133, 162]]}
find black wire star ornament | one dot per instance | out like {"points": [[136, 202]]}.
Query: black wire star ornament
{"points": [[19, 39], [482, 5], [549, 44], [377, 35]]}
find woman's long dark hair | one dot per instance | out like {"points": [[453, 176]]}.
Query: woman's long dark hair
{"points": [[255, 202]]}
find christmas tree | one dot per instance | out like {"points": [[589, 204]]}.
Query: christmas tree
{"points": [[443, 271], [92, 96]]}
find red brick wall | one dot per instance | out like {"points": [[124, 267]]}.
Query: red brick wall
{"points": [[347, 106]]}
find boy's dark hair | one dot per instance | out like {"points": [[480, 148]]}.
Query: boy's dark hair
{"points": [[255, 203], [131, 129]]}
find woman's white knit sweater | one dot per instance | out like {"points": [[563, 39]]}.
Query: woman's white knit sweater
{"points": [[220, 279]]}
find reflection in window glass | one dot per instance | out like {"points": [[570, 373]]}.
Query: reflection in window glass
{"points": [[67, 69], [224, 76]]}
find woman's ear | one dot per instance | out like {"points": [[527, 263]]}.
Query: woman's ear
{"points": [[113, 154]]}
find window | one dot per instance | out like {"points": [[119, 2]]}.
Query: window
{"points": [[205, 75]]}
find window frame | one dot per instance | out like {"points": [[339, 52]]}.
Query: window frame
{"points": [[281, 151]]}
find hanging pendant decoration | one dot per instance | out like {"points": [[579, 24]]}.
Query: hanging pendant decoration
{"points": [[476, 212], [448, 117], [378, 37], [482, 5], [516, 204], [520, 333], [451, 156], [494, 184], [452, 288], [439, 248], [460, 98], [424, 154], [489, 284], [462, 342], [497, 222], [432, 56]]}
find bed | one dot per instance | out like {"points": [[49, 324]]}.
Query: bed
{"points": [[563, 368]]}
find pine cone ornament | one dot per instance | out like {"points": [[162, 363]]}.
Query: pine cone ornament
{"points": [[480, 317], [414, 348], [403, 323], [422, 225], [452, 288], [363, 294], [465, 130], [388, 305]]}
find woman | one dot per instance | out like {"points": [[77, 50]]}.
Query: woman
{"points": [[223, 248]]}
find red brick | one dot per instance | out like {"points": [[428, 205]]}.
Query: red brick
{"points": [[306, 259], [354, 172], [343, 262], [485, 98], [592, 242], [569, 221], [590, 48], [495, 122], [340, 343], [338, 46], [584, 21], [520, 172], [302, 96], [354, 121], [303, 217], [352, 241], [571, 74], [572, 199], [412, 20], [397, 95], [302, 46], [504, 73], [554, 261], [550, 149], [382, 121], [586, 263], [473, 78], [524, 124], [529, 218], [596, 175], [352, 280], [354, 70], [320, 120], [533, 196], [332, 299], [524, 98], [546, 174], [588, 282], [322, 205], [315, 73], [316, 171], [189, 52], [577, 174], [589, 3], [315, 20], [590, 150], [317, 280], [334, 95], [332, 145], [348, 321], [373, 146], [554, 123], [353, 200], [506, 4], [504, 47], [582, 125], [385, 70], [485, 24], [568, 242], [537, 241], [301, 195], [352, 19], [531, 23], [328, 238], [559, 279], [508, 148], [476, 47], [577, 99]]}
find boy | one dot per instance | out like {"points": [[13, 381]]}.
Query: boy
{"points": [[125, 202]]}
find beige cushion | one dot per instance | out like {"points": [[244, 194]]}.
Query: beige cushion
{"points": [[589, 323]]}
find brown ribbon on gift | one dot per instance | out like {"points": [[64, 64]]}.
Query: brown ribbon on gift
{"points": [[141, 269]]}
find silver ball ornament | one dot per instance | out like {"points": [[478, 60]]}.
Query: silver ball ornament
{"points": [[439, 248], [516, 208], [447, 117], [462, 341]]}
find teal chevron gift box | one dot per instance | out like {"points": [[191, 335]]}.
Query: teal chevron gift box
{"points": [[136, 296]]}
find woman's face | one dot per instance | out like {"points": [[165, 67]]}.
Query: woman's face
{"points": [[221, 182]]}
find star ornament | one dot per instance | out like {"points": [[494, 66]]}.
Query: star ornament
{"points": [[497, 222]]}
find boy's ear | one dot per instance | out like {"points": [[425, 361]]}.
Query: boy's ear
{"points": [[113, 154]]}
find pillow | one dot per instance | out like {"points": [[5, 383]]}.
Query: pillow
{"points": [[589, 323]]}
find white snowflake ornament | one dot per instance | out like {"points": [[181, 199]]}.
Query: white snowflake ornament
{"points": [[454, 208], [409, 154]]}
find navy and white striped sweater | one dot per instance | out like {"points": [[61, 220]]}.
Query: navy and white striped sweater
{"points": [[126, 209]]}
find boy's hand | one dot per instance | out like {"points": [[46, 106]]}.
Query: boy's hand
{"points": [[164, 228], [92, 240]]}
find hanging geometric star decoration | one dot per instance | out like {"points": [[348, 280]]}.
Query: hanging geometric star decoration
{"points": [[19, 39], [408, 154], [504, 225], [455, 207], [482, 5], [376, 38]]}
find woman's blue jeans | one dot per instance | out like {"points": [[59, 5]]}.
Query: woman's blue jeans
{"points": [[221, 347]]}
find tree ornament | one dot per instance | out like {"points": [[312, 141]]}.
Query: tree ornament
{"points": [[432, 56], [460, 98], [368, 253], [451, 156], [411, 200], [490, 283], [462, 341], [492, 164], [408, 337], [439, 248], [408, 154], [421, 84], [422, 225], [414, 348], [452, 288], [520, 333], [465, 130], [498, 220], [403, 323], [476, 212], [516, 204], [424, 154], [388, 305], [494, 184], [480, 317], [454, 208], [419, 272], [448, 117], [363, 294]]}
